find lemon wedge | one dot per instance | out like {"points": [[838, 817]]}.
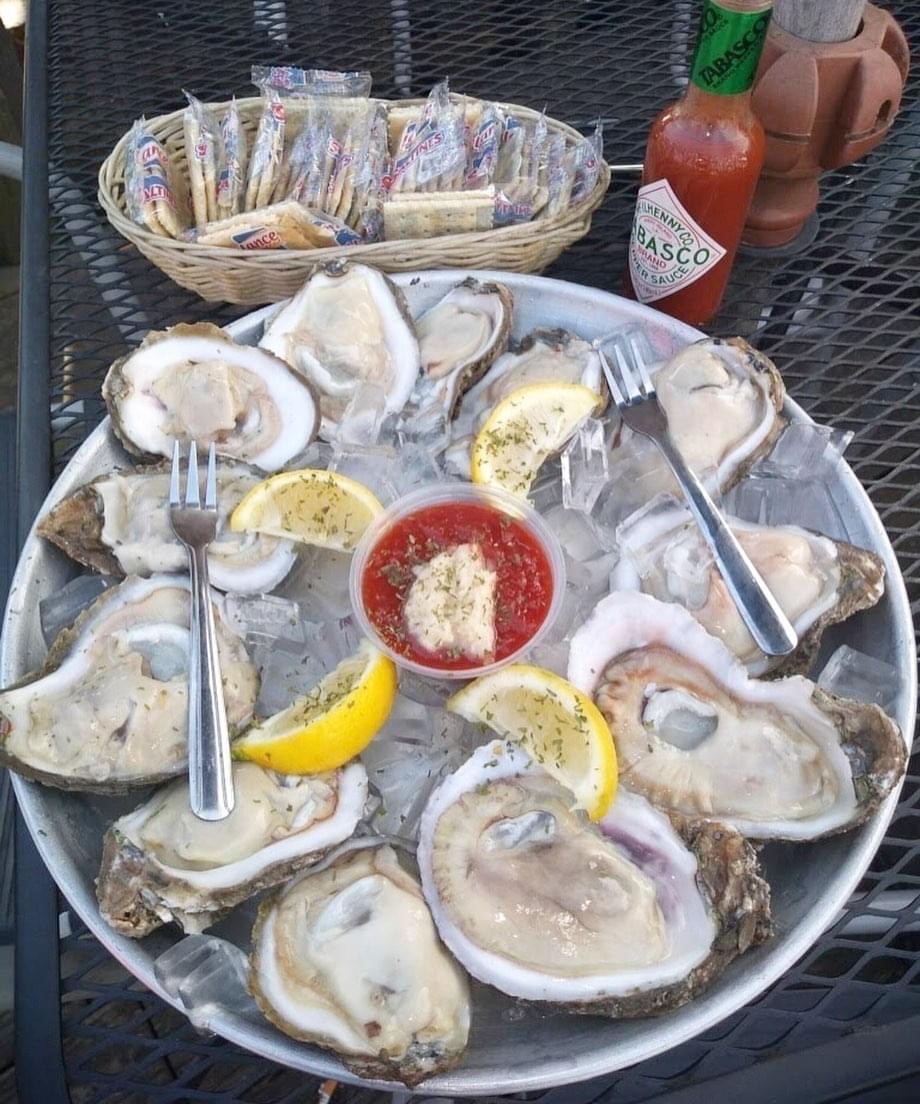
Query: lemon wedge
{"points": [[557, 725], [331, 724], [524, 429], [311, 505]]}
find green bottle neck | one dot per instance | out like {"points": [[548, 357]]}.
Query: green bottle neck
{"points": [[729, 44]]}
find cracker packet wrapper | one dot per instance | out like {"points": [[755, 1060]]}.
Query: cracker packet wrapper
{"points": [[203, 155], [287, 225], [312, 155], [483, 148], [231, 176], [367, 210], [559, 175], [586, 161], [431, 155], [288, 80], [152, 195], [267, 153], [521, 198]]}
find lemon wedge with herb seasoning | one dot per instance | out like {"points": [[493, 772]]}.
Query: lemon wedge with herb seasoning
{"points": [[557, 725], [310, 505], [331, 724], [525, 428]]}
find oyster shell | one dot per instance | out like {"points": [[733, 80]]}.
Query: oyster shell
{"points": [[625, 918], [459, 338], [161, 863], [347, 325], [543, 356], [108, 710], [195, 383], [724, 403], [817, 581], [119, 525], [347, 957], [695, 735]]}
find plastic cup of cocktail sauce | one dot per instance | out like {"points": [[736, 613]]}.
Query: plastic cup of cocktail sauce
{"points": [[446, 495]]}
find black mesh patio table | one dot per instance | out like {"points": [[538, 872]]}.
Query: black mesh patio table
{"points": [[841, 316]]}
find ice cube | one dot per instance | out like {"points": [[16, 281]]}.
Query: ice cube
{"points": [[267, 616], [61, 608], [207, 976], [575, 532], [778, 500], [318, 582], [288, 670], [852, 674], [413, 752], [415, 466], [546, 491], [425, 690], [585, 467], [371, 465], [554, 657], [805, 450], [361, 423]]}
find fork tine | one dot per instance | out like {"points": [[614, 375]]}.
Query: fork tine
{"points": [[615, 391], [641, 351], [192, 496], [175, 495], [632, 390], [210, 490]]}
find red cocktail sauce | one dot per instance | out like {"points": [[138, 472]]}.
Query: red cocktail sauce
{"points": [[524, 580]]}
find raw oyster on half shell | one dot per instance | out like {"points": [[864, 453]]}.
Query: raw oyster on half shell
{"points": [[459, 338], [630, 917], [109, 709], [162, 863], [543, 356], [817, 581], [348, 957], [196, 383], [119, 525], [697, 736], [724, 402], [347, 326]]}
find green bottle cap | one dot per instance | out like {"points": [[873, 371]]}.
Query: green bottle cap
{"points": [[728, 49]]}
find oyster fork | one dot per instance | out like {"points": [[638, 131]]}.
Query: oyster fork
{"points": [[635, 396], [209, 771]]}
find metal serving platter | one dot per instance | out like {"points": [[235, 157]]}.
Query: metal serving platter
{"points": [[510, 1050]]}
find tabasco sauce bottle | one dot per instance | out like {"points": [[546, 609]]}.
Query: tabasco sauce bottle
{"points": [[702, 162]]}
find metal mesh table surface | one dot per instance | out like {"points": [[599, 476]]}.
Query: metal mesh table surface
{"points": [[840, 318]]}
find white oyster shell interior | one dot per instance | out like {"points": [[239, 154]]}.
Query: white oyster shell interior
{"points": [[349, 957], [207, 388], [137, 529], [345, 329], [116, 707], [534, 900], [695, 734]]}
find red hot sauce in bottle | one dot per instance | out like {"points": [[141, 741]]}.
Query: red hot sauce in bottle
{"points": [[702, 161]]}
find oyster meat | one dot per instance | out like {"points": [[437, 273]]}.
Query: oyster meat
{"points": [[817, 581], [724, 403], [697, 736], [626, 918], [348, 957], [108, 710], [347, 326], [196, 383], [543, 356], [161, 863], [119, 525], [459, 338]]}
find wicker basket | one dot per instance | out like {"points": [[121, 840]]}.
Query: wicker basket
{"points": [[220, 274]]}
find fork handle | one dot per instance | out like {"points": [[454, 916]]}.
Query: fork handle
{"points": [[209, 762], [760, 611]]}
